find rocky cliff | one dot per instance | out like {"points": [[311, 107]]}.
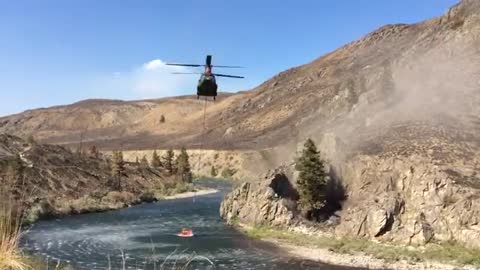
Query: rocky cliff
{"points": [[271, 201], [402, 200]]}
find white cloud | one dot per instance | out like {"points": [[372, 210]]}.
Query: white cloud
{"points": [[153, 79], [154, 64]]}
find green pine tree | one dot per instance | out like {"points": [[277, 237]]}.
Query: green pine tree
{"points": [[312, 180], [183, 166], [168, 161], [156, 163]]}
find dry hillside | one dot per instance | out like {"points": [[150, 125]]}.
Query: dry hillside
{"points": [[426, 73], [51, 180]]}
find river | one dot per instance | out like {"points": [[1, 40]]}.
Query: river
{"points": [[146, 235]]}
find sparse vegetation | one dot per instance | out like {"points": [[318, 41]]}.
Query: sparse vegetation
{"points": [[169, 189], [14, 172], [312, 180], [448, 252]]}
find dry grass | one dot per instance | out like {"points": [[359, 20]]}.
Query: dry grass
{"points": [[10, 256]]}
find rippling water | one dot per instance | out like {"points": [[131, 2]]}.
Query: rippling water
{"points": [[147, 233]]}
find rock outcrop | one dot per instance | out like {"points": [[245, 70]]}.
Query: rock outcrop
{"points": [[410, 200], [271, 201], [390, 199]]}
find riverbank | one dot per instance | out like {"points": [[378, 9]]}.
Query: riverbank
{"points": [[190, 194], [367, 254], [109, 201]]}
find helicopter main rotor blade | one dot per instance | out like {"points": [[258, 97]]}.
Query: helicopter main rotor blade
{"points": [[186, 73], [183, 65], [227, 66], [228, 76]]}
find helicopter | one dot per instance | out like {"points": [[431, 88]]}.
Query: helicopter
{"points": [[207, 85]]}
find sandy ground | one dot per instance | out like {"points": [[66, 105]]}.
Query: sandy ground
{"points": [[357, 260], [191, 194]]}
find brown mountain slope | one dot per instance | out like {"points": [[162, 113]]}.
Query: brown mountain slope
{"points": [[398, 73], [109, 123]]}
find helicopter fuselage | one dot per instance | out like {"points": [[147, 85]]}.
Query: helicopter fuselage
{"points": [[207, 85]]}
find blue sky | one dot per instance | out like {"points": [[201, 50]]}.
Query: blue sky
{"points": [[59, 52]]}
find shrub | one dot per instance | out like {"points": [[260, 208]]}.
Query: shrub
{"points": [[37, 211], [148, 196], [213, 172], [228, 173], [119, 197]]}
